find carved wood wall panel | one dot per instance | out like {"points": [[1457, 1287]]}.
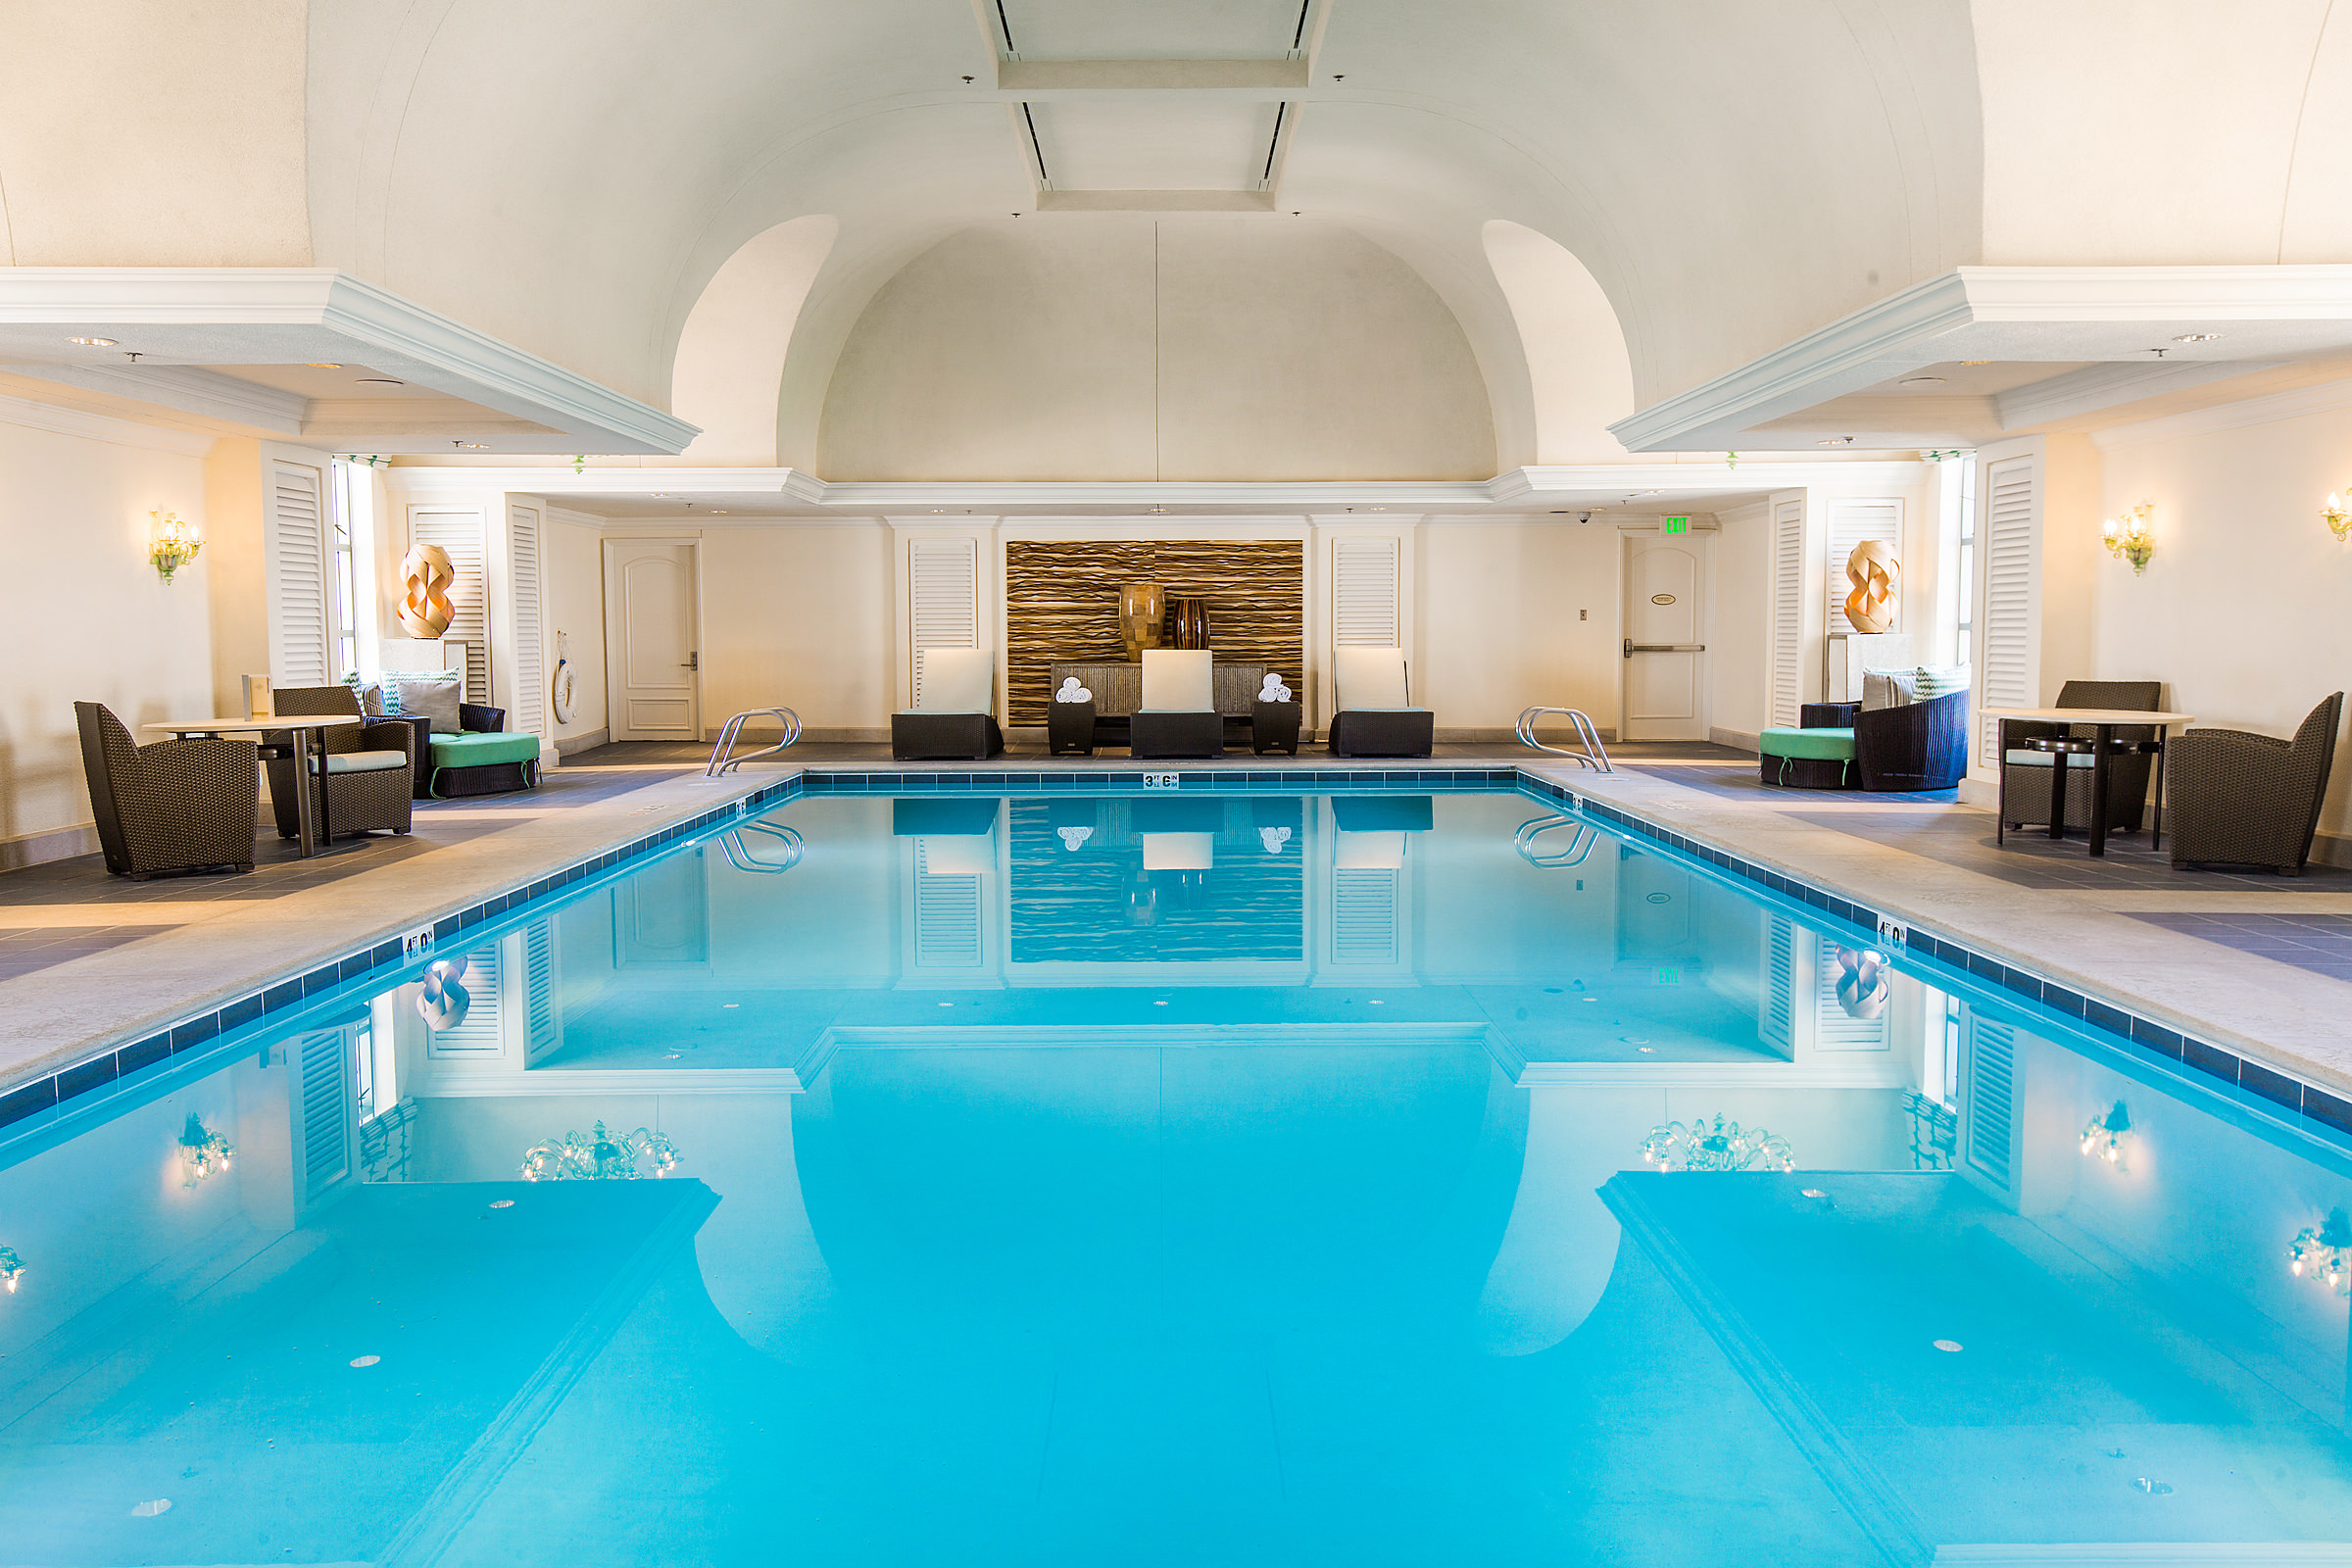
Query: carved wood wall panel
{"points": [[1061, 601]]}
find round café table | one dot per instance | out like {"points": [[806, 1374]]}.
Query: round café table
{"points": [[308, 730], [2104, 722]]}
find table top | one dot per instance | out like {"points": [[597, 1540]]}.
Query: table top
{"points": [[253, 726], [2089, 716]]}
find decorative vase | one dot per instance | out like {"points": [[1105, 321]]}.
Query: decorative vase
{"points": [[424, 607], [1191, 623], [1141, 607], [1874, 573]]}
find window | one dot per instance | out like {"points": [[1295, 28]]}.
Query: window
{"points": [[348, 533]]}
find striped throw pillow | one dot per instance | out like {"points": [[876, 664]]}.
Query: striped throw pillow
{"points": [[1941, 680]]}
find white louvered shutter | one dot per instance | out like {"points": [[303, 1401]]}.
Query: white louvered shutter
{"points": [[527, 704], [1991, 1106], [2009, 679], [1788, 609], [296, 528], [943, 599], [1363, 915], [460, 533], [544, 1028], [1849, 524], [322, 1063], [1775, 1008], [1363, 594], [947, 917], [483, 1033]]}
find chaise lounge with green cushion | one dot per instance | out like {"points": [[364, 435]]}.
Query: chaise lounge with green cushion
{"points": [[1817, 752], [1898, 738], [463, 748]]}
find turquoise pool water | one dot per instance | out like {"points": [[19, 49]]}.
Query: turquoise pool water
{"points": [[1171, 1178]]}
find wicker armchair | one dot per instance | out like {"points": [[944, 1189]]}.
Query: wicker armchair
{"points": [[364, 771], [2251, 800], [2032, 761], [177, 805]]}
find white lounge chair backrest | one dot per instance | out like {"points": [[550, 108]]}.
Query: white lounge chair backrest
{"points": [[959, 680], [1176, 681], [1370, 677], [1179, 852]]}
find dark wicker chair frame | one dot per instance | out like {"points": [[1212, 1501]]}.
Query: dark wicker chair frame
{"points": [[2252, 800], [1917, 745], [177, 805], [342, 802], [2026, 789]]}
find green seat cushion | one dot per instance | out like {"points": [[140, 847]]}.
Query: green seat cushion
{"points": [[1830, 745], [477, 750]]}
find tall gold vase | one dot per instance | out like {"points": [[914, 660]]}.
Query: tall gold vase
{"points": [[1142, 606]]}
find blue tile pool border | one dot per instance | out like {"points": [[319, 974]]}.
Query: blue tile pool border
{"points": [[286, 992], [2277, 1090]]}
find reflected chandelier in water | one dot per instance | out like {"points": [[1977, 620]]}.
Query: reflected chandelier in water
{"points": [[12, 1269], [2104, 1135], [202, 1151], [2324, 1252], [1725, 1145], [599, 1157]]}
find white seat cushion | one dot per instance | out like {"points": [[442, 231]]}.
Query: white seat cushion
{"points": [[1368, 852], [1370, 677], [2045, 758], [959, 680], [366, 761], [1176, 681], [1179, 852]]}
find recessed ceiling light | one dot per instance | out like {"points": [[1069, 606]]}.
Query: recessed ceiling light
{"points": [[2196, 338], [322, 365], [660, 495], [1976, 362], [1921, 380], [93, 342], [384, 380], [470, 446]]}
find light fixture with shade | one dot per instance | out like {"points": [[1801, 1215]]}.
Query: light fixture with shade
{"points": [[12, 1269], [2130, 537], [2336, 518], [2103, 1136], [203, 1152], [2324, 1253], [171, 543]]}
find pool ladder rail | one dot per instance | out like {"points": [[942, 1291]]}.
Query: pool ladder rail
{"points": [[1580, 844], [723, 759], [740, 856], [1594, 755]]}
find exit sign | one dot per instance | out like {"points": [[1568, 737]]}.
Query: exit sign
{"points": [[1675, 525]]}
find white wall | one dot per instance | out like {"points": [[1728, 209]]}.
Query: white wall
{"points": [[801, 616], [1125, 347], [88, 619], [1499, 633], [573, 580], [1739, 636], [2242, 611]]}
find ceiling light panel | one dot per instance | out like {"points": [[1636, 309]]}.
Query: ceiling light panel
{"points": [[1156, 143], [1200, 29]]}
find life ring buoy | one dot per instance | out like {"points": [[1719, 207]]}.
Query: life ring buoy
{"points": [[560, 690]]}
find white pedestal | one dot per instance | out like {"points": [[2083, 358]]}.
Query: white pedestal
{"points": [[1851, 653]]}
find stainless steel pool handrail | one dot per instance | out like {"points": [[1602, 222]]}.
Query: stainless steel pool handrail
{"points": [[740, 856], [1594, 755], [1578, 847], [723, 759]]}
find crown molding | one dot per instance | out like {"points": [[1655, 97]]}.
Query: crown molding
{"points": [[31, 416], [2325, 398]]}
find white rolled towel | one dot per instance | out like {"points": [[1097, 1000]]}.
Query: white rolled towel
{"points": [[1072, 692], [1273, 691]]}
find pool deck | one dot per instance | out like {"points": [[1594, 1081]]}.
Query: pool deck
{"points": [[2260, 966]]}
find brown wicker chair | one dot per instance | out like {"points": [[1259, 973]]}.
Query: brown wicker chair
{"points": [[2032, 762], [2251, 800], [369, 770], [177, 805]]}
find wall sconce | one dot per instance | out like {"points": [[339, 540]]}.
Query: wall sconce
{"points": [[12, 1269], [170, 543], [202, 1151], [2130, 538], [2337, 520], [2104, 1136], [2324, 1252]]}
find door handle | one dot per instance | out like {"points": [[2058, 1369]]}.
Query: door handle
{"points": [[693, 661], [1632, 648]]}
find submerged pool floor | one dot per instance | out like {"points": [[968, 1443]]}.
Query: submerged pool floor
{"points": [[1111, 1179]]}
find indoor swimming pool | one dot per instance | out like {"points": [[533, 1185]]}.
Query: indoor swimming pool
{"points": [[1176, 1176]]}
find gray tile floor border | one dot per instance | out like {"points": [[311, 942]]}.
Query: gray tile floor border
{"points": [[278, 998], [2308, 1100]]}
